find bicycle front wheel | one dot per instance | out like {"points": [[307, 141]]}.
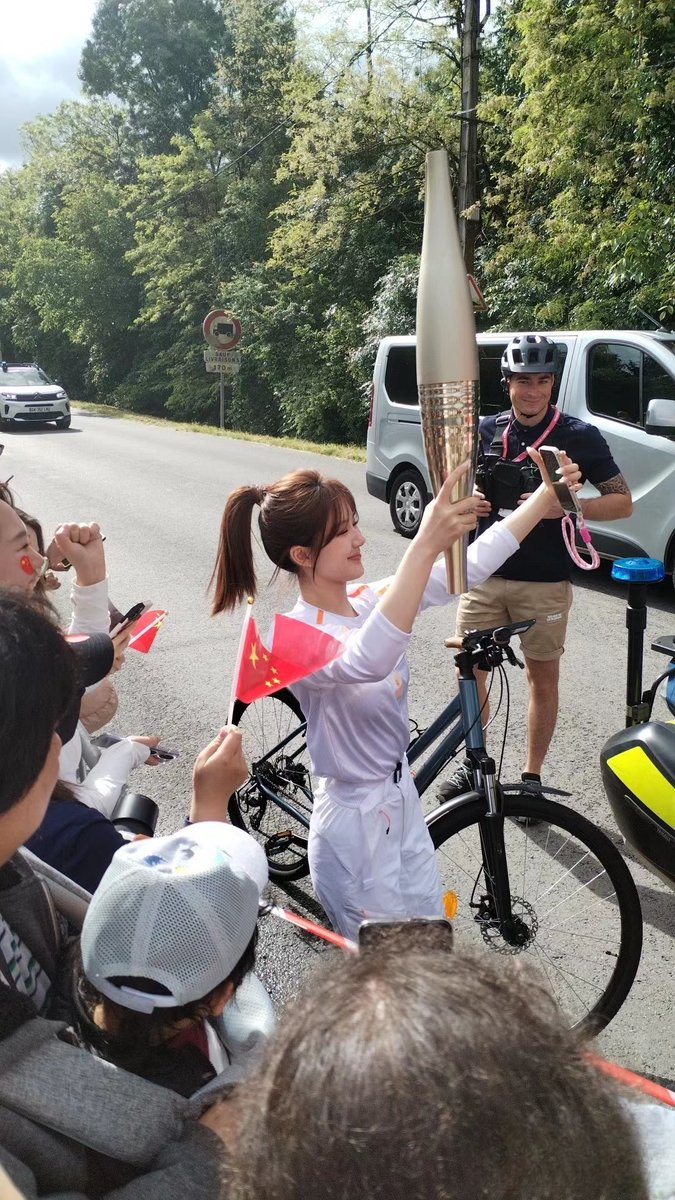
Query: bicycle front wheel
{"points": [[572, 895], [275, 804]]}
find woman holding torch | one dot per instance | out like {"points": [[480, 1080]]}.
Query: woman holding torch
{"points": [[370, 852]]}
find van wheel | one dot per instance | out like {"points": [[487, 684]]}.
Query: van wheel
{"points": [[408, 502]]}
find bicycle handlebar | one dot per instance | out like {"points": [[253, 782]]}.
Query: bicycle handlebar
{"points": [[500, 636]]}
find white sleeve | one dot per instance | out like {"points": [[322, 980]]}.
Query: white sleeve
{"points": [[371, 653], [90, 608], [69, 758], [489, 552], [484, 556], [102, 787]]}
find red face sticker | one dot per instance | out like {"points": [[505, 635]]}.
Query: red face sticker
{"points": [[26, 565]]}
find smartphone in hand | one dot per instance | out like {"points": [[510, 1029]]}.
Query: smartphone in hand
{"points": [[552, 460], [129, 617]]}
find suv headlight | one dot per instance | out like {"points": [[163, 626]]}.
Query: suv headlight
{"points": [[9, 395], [61, 396]]}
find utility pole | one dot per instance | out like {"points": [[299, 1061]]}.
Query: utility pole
{"points": [[468, 199]]}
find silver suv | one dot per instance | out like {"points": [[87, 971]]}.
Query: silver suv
{"points": [[28, 396]]}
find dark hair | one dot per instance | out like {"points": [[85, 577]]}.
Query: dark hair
{"points": [[39, 593], [37, 686], [137, 1035], [302, 509], [431, 1076]]}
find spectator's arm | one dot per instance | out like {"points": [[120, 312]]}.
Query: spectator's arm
{"points": [[219, 770]]}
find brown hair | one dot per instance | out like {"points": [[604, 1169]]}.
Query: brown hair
{"points": [[39, 594], [424, 1075], [302, 509]]}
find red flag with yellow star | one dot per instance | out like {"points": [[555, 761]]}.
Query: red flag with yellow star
{"points": [[297, 650]]}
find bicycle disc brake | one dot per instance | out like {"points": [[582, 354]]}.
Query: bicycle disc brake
{"points": [[523, 930]]}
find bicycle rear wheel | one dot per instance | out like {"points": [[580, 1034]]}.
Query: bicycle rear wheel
{"points": [[274, 740], [571, 890]]}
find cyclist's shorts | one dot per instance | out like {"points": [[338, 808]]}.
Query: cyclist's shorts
{"points": [[501, 601]]}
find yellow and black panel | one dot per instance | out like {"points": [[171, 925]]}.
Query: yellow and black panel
{"points": [[638, 773]]}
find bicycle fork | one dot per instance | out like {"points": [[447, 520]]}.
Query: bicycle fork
{"points": [[496, 905]]}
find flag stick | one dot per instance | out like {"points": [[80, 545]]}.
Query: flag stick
{"points": [[320, 931], [154, 624], [237, 666], [631, 1079]]}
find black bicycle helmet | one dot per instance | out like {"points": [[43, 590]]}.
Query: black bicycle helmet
{"points": [[638, 774], [530, 354]]}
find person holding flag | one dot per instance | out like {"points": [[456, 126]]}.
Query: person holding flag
{"points": [[370, 853]]}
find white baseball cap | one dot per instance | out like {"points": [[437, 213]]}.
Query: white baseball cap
{"points": [[179, 910]]}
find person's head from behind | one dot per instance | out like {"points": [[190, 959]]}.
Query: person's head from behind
{"points": [[308, 524], [169, 936], [37, 688], [427, 1076], [21, 566]]}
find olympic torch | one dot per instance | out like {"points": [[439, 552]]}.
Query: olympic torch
{"points": [[447, 358]]}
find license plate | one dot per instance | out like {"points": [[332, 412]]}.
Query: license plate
{"points": [[39, 408]]}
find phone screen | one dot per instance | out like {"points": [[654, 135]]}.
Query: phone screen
{"points": [[568, 499]]}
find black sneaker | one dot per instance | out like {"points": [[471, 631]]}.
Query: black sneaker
{"points": [[459, 782]]}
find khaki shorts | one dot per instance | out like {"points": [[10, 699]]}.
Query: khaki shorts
{"points": [[502, 601]]}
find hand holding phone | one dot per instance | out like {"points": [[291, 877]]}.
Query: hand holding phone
{"points": [[132, 615], [552, 461]]}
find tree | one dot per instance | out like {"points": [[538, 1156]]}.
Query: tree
{"points": [[582, 200], [202, 213], [71, 298], [159, 58]]}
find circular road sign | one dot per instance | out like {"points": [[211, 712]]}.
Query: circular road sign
{"points": [[222, 329]]}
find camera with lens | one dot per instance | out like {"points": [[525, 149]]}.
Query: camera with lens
{"points": [[503, 482]]}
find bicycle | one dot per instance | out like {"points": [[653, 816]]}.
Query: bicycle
{"points": [[573, 905]]}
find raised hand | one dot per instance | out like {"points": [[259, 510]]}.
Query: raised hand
{"points": [[82, 545]]}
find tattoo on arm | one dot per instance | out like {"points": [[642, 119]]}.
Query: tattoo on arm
{"points": [[617, 484]]}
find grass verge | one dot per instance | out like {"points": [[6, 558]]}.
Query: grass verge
{"points": [[355, 453]]}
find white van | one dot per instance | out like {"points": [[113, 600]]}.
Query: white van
{"points": [[621, 381]]}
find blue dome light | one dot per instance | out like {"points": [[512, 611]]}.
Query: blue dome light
{"points": [[638, 570]]}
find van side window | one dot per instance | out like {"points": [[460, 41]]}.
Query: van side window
{"points": [[623, 379], [400, 378], [492, 396], [657, 384]]}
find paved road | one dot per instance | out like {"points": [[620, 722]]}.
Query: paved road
{"points": [[159, 494]]}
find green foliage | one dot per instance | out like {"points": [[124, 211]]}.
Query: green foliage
{"points": [[159, 58], [581, 201], [238, 167]]}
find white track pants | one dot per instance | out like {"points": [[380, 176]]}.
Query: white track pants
{"points": [[370, 853]]}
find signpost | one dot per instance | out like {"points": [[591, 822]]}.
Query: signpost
{"points": [[222, 332]]}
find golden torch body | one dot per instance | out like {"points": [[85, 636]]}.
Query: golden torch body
{"points": [[447, 356]]}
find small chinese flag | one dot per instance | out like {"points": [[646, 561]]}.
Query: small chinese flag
{"points": [[146, 629], [297, 650]]}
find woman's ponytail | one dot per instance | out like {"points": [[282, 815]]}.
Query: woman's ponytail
{"points": [[233, 577]]}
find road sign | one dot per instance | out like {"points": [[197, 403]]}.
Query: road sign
{"points": [[477, 297], [222, 329], [227, 361]]}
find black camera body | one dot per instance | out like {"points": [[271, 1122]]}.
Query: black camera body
{"points": [[503, 482]]}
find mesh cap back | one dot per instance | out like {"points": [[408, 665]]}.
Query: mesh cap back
{"points": [[179, 910]]}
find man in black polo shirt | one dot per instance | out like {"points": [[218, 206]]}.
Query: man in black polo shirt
{"points": [[535, 581]]}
